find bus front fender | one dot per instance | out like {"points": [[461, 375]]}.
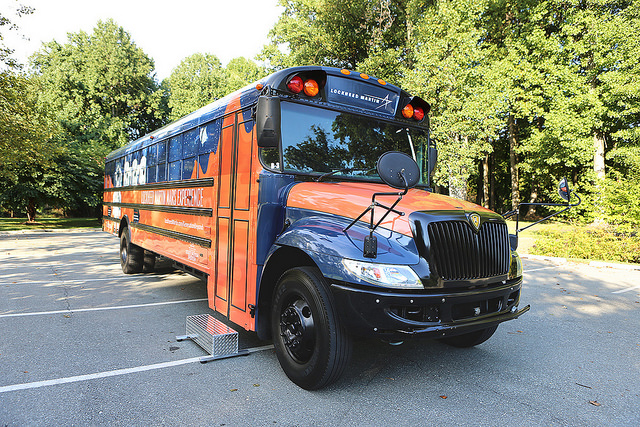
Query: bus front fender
{"points": [[327, 244]]}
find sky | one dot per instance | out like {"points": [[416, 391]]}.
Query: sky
{"points": [[167, 30]]}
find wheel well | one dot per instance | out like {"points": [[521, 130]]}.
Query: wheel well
{"points": [[124, 223], [280, 261]]}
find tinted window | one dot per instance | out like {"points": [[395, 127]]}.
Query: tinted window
{"points": [[175, 148], [174, 171], [162, 151], [187, 168], [151, 174], [209, 137], [162, 172], [190, 143], [151, 155]]}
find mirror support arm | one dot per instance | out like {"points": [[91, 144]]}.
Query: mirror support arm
{"points": [[370, 242], [516, 212]]}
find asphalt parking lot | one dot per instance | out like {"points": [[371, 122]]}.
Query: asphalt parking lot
{"points": [[83, 344]]}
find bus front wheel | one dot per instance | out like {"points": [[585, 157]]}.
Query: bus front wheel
{"points": [[311, 346], [131, 256]]}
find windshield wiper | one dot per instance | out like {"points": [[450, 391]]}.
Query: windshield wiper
{"points": [[342, 171], [324, 175]]}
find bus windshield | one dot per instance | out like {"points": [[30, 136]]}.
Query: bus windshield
{"points": [[320, 141]]}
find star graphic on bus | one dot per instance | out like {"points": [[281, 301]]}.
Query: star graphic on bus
{"points": [[383, 101]]}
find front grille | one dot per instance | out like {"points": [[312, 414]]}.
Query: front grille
{"points": [[458, 253]]}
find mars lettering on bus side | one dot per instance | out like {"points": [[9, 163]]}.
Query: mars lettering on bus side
{"points": [[187, 197]]}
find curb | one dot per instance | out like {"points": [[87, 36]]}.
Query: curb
{"points": [[544, 258], [628, 267], [49, 230]]}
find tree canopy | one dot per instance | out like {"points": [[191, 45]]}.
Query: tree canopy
{"points": [[523, 92], [201, 79], [84, 98]]}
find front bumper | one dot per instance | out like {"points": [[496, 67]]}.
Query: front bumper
{"points": [[434, 313]]}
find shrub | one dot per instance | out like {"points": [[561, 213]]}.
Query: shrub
{"points": [[588, 243]]}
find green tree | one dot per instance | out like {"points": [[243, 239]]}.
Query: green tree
{"points": [[201, 79], [448, 71], [100, 85], [84, 99], [240, 72], [22, 129], [6, 23], [25, 146], [339, 33], [602, 44], [197, 81]]}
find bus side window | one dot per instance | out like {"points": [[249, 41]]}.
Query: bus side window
{"points": [[209, 138], [119, 173], [126, 180], [175, 158], [139, 168], [151, 163], [189, 151], [162, 161], [110, 169]]}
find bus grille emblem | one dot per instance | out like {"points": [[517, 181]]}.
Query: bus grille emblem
{"points": [[474, 218]]}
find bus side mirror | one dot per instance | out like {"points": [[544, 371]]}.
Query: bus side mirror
{"points": [[268, 121], [563, 189], [398, 170], [433, 158]]}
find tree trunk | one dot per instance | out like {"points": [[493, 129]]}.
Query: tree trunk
{"points": [[485, 181], [479, 183], [531, 212], [492, 183], [457, 172], [458, 187], [513, 162], [31, 210], [599, 145]]}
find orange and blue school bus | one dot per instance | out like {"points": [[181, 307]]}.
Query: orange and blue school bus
{"points": [[303, 200]]}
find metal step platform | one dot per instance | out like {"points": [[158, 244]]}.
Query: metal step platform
{"points": [[216, 338]]}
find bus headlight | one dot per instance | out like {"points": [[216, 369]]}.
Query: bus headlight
{"points": [[387, 275], [515, 267]]}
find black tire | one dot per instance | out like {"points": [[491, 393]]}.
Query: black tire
{"points": [[470, 339], [149, 262], [131, 256], [312, 348]]}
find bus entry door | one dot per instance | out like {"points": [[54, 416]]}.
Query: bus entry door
{"points": [[234, 269]]}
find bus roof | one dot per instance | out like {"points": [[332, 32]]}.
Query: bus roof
{"points": [[277, 81]]}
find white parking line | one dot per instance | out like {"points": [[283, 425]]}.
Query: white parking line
{"points": [[627, 289], [59, 279], [106, 374], [121, 307], [541, 268]]}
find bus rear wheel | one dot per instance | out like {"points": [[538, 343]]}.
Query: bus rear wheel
{"points": [[131, 256], [149, 262], [311, 346]]}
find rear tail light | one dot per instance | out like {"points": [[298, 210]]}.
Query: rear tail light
{"points": [[407, 111], [311, 87], [418, 113], [307, 84], [295, 85], [415, 109]]}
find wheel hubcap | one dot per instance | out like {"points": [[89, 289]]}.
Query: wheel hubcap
{"points": [[297, 330]]}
